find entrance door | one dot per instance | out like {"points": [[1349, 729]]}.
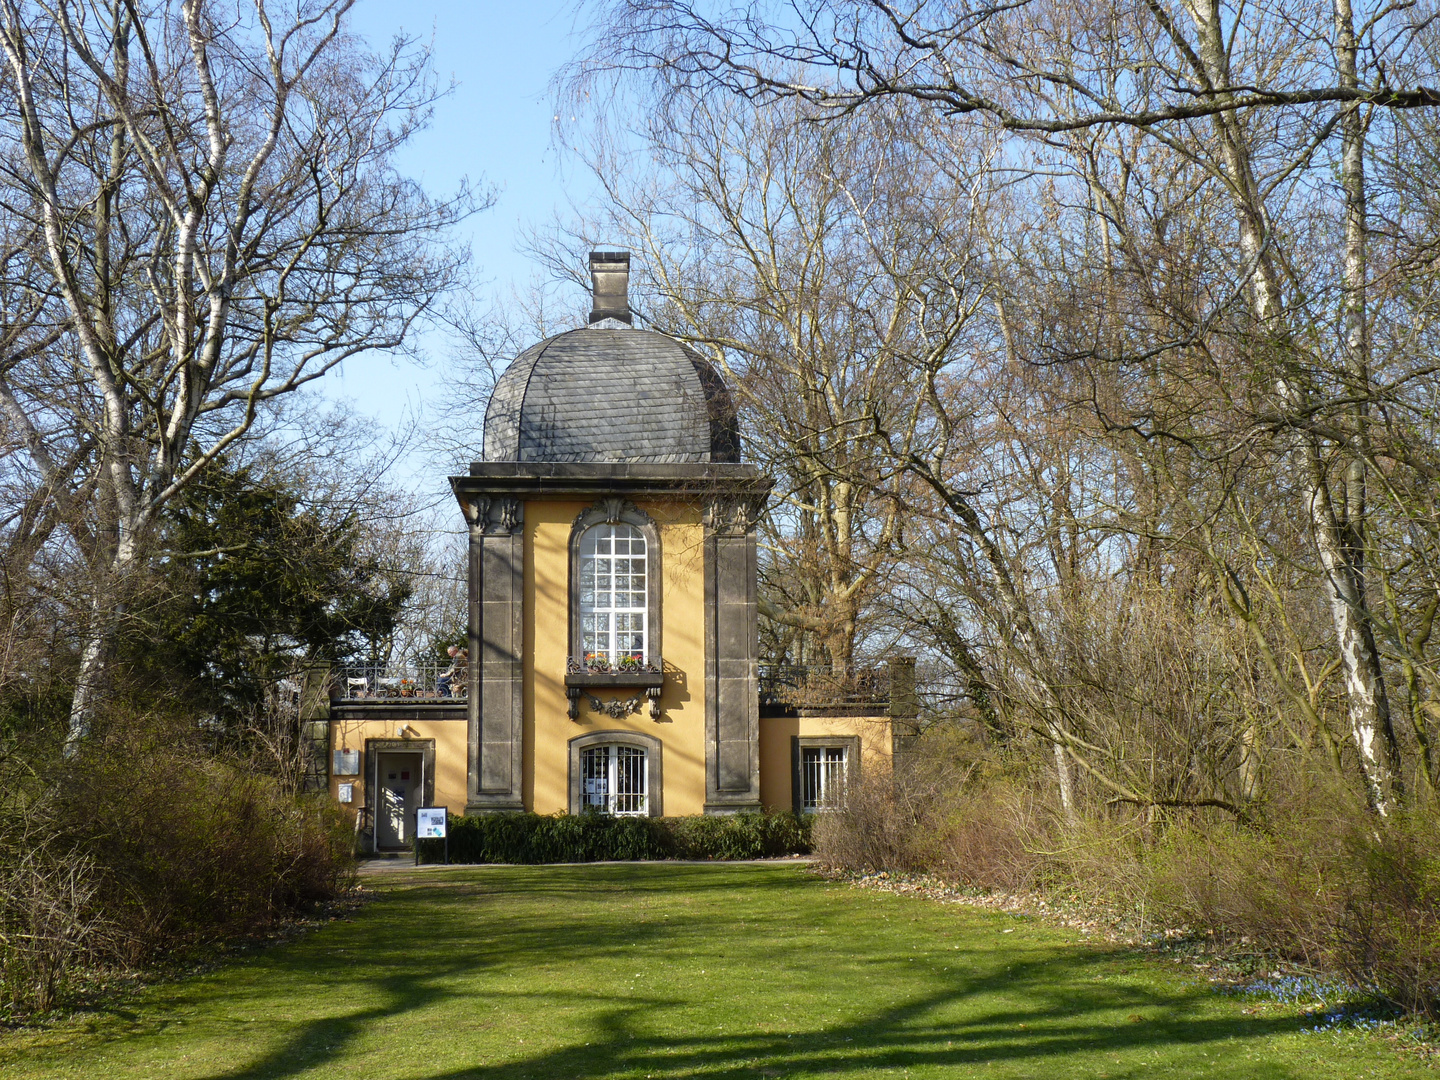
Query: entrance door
{"points": [[399, 785]]}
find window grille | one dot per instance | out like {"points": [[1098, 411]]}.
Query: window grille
{"points": [[613, 780], [613, 608], [822, 777]]}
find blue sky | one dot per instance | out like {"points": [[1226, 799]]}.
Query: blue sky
{"points": [[495, 128]]}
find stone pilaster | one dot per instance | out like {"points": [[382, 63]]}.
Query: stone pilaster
{"points": [[732, 702], [497, 635]]}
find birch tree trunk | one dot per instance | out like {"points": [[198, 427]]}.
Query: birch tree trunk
{"points": [[1338, 541], [1371, 725]]}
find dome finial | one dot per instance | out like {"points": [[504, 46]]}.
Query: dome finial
{"points": [[610, 291]]}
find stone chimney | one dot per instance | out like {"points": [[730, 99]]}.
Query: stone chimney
{"points": [[610, 293]]}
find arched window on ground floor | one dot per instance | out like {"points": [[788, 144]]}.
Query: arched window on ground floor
{"points": [[617, 773]]}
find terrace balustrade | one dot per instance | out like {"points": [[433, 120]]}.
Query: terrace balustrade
{"points": [[801, 686], [417, 679]]}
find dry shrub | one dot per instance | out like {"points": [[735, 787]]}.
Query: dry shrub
{"points": [[49, 922], [985, 832], [893, 823], [145, 845], [1319, 880], [190, 848], [1386, 932], [998, 833], [1325, 882], [946, 813], [1242, 883], [875, 831]]}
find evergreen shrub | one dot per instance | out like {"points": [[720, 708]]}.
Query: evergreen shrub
{"points": [[739, 836], [539, 838]]}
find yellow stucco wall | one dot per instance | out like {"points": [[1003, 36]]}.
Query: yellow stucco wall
{"points": [[546, 725], [450, 755], [682, 646], [776, 763]]}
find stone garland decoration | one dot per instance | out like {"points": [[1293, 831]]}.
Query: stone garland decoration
{"points": [[615, 709]]}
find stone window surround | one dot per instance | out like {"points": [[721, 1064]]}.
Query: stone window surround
{"points": [[654, 765], [809, 742], [619, 511]]}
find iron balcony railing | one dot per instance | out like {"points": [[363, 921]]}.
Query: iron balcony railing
{"points": [[792, 685], [801, 685], [419, 679]]}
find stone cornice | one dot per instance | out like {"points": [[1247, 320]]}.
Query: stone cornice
{"points": [[545, 479]]}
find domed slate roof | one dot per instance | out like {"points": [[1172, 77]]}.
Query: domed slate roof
{"points": [[611, 394]]}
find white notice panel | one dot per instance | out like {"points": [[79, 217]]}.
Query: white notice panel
{"points": [[430, 822], [345, 763]]}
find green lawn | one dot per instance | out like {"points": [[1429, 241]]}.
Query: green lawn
{"points": [[681, 970]]}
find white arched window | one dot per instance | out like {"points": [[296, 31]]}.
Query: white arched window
{"points": [[614, 780], [613, 594], [616, 772]]}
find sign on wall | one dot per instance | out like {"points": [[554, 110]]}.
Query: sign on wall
{"points": [[345, 763]]}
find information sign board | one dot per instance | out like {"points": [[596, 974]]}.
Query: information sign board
{"points": [[430, 822], [430, 825]]}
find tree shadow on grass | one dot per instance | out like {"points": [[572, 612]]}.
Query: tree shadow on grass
{"points": [[910, 1035], [1034, 1012]]}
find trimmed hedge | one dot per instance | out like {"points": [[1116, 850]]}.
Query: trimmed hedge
{"points": [[566, 838], [739, 836]]}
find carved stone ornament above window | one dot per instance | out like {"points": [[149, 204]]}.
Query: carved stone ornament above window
{"points": [[611, 510], [575, 689], [615, 509], [615, 709]]}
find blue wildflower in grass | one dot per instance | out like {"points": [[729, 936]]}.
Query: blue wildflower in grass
{"points": [[1336, 1006], [1298, 990]]}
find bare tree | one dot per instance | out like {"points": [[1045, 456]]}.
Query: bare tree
{"points": [[1243, 106], [816, 266], [202, 215]]}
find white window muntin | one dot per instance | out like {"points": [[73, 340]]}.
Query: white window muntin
{"points": [[822, 777], [614, 609], [614, 780]]}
